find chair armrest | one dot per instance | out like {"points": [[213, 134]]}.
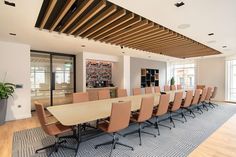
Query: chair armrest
{"points": [[51, 123]]}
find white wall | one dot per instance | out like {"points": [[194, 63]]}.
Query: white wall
{"points": [[15, 60], [136, 64], [211, 72]]}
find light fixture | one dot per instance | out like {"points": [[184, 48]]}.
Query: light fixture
{"points": [[224, 46], [210, 34], [10, 3], [179, 4], [13, 34], [82, 45]]}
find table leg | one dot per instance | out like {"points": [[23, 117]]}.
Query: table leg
{"points": [[78, 139]]}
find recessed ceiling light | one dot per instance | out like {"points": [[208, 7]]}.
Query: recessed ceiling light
{"points": [[13, 34], [211, 41], [149, 56], [210, 34], [10, 3], [179, 4], [123, 52], [183, 26], [82, 45], [224, 46]]}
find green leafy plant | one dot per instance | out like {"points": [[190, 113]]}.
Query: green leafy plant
{"points": [[172, 81], [6, 90]]}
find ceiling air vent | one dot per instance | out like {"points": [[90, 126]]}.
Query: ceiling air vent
{"points": [[10, 3]]}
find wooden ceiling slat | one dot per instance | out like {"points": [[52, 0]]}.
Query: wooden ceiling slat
{"points": [[50, 7], [150, 37], [76, 14], [119, 28], [62, 13], [183, 51], [104, 23], [88, 16], [146, 29], [131, 29], [98, 19], [179, 47], [111, 26]]}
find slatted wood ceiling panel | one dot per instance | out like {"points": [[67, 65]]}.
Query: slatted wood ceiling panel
{"points": [[100, 20]]}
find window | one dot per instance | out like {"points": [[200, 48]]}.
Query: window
{"points": [[231, 80], [184, 74]]}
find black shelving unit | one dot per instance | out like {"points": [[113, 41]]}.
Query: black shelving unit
{"points": [[149, 77]]}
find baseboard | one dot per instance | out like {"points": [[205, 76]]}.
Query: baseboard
{"points": [[18, 117]]}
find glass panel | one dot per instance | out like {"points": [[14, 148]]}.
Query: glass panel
{"points": [[63, 67], [40, 79]]}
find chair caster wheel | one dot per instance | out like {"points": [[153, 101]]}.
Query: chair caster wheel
{"points": [[132, 149], [155, 136], [96, 147]]}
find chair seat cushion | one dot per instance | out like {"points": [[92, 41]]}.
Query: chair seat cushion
{"points": [[103, 126], [57, 128]]}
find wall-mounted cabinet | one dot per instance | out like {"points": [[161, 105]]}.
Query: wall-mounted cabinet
{"points": [[149, 77]]}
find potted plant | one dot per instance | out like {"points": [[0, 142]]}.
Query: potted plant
{"points": [[172, 81], [6, 90]]}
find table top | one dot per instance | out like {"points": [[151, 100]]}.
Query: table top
{"points": [[79, 113]]}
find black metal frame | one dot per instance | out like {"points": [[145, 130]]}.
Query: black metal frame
{"points": [[51, 54]]}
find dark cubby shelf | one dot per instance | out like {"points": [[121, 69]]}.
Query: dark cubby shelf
{"points": [[149, 77]]}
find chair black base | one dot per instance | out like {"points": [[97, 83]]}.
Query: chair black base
{"points": [[55, 147], [114, 142], [190, 112], [156, 125], [172, 119], [140, 132]]}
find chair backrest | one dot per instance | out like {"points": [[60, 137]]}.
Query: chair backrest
{"points": [[137, 91], [172, 87], [209, 93], [179, 86], [80, 97], [120, 116], [188, 98], [200, 86], [177, 101], [146, 109], [163, 104], [214, 92], [196, 96], [203, 95], [104, 94], [166, 88], [157, 89], [121, 93], [148, 90], [42, 116]]}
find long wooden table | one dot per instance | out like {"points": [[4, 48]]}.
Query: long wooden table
{"points": [[78, 113]]}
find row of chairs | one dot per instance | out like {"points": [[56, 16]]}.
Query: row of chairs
{"points": [[121, 115]]}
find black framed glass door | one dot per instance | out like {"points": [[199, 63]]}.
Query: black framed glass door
{"points": [[52, 78]]}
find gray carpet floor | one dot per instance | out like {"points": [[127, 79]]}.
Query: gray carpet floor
{"points": [[178, 142]]}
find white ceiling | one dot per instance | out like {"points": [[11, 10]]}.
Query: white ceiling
{"points": [[204, 16]]}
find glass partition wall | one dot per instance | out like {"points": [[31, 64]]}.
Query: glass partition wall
{"points": [[52, 78]]}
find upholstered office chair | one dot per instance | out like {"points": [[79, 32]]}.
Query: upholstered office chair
{"points": [[104, 94], [200, 86], [173, 87], [195, 101], [186, 104], [148, 90], [175, 106], [82, 97], [160, 111], [157, 89], [208, 96], [179, 87], [52, 129], [166, 88], [119, 120], [121, 93], [137, 91], [213, 96], [202, 99], [144, 114]]}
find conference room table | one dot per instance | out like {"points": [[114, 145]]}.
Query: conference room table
{"points": [[76, 114]]}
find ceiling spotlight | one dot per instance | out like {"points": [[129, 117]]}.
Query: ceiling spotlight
{"points": [[210, 34], [121, 47], [149, 56], [224, 46], [10, 3], [82, 45], [123, 52], [179, 4], [13, 34]]}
